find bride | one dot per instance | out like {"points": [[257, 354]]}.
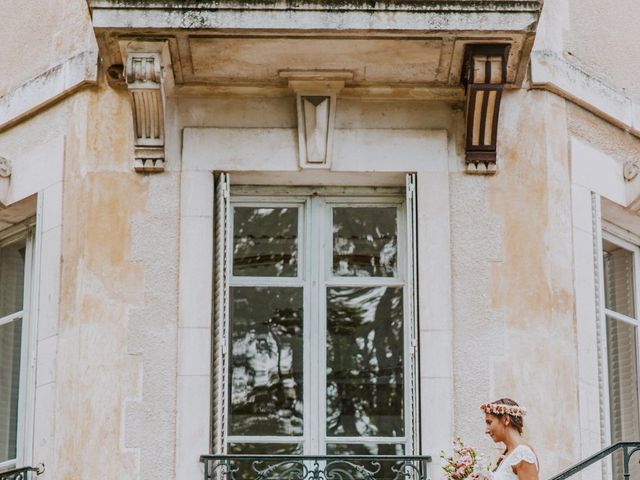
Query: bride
{"points": [[504, 424]]}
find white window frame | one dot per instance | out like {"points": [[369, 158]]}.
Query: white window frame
{"points": [[635, 250], [27, 361], [324, 199]]}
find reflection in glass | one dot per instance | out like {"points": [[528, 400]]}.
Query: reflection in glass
{"points": [[386, 470], [365, 241], [618, 279], [266, 361], [265, 242], [10, 341], [365, 345], [12, 259], [246, 468]]}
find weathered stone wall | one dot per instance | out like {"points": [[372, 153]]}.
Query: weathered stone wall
{"points": [[118, 304], [602, 37], [107, 400], [39, 34], [514, 327], [117, 352]]}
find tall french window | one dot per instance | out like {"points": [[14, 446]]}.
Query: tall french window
{"points": [[13, 259], [621, 313], [317, 353]]}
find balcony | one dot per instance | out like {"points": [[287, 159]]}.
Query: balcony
{"points": [[24, 473], [411, 48], [304, 467]]}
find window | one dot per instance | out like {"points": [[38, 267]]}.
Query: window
{"points": [[14, 257], [620, 264], [315, 306]]}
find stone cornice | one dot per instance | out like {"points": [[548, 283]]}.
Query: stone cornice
{"points": [[47, 88], [395, 5], [465, 15], [550, 71]]}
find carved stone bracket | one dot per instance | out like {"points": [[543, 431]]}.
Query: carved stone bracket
{"points": [[144, 82], [631, 169], [316, 94], [484, 75], [5, 167]]}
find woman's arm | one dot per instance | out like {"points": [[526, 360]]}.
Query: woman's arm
{"points": [[526, 471]]}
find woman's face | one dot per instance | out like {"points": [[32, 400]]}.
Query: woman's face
{"points": [[496, 427]]}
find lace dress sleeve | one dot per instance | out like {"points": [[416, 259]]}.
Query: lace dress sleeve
{"points": [[523, 453]]}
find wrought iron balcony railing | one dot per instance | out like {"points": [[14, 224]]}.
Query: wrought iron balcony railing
{"points": [[24, 473], [628, 449], [315, 467]]}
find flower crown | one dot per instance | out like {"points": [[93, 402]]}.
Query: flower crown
{"points": [[502, 409]]}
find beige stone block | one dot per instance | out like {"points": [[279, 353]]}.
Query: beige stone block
{"points": [[49, 288], [597, 171], [35, 169], [589, 419], [192, 434], [52, 207], [274, 149], [46, 361], [581, 208], [44, 428], [436, 400], [390, 150], [436, 353], [585, 306], [434, 251], [196, 194], [196, 271], [194, 356]]}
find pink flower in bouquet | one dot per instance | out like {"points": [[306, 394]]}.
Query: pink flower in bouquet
{"points": [[464, 464]]}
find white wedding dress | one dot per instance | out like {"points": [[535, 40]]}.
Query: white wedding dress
{"points": [[520, 453]]}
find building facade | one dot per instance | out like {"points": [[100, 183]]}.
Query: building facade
{"points": [[315, 228]]}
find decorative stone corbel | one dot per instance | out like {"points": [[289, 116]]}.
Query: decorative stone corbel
{"points": [[5, 168], [484, 75], [631, 169], [316, 94], [144, 81]]}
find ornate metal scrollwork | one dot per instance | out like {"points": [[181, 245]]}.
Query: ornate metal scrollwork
{"points": [[24, 473], [283, 467]]}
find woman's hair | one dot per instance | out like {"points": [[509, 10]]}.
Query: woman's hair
{"points": [[516, 421]]}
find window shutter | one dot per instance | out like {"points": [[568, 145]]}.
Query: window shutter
{"points": [[413, 401], [618, 281], [10, 342], [622, 352], [12, 269], [221, 310], [623, 381]]}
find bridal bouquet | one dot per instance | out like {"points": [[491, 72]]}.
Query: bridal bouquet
{"points": [[465, 464]]}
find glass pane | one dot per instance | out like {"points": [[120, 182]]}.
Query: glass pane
{"points": [[12, 258], [10, 342], [618, 279], [265, 242], [365, 349], [365, 241], [622, 352], [266, 361], [379, 470], [249, 469]]}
